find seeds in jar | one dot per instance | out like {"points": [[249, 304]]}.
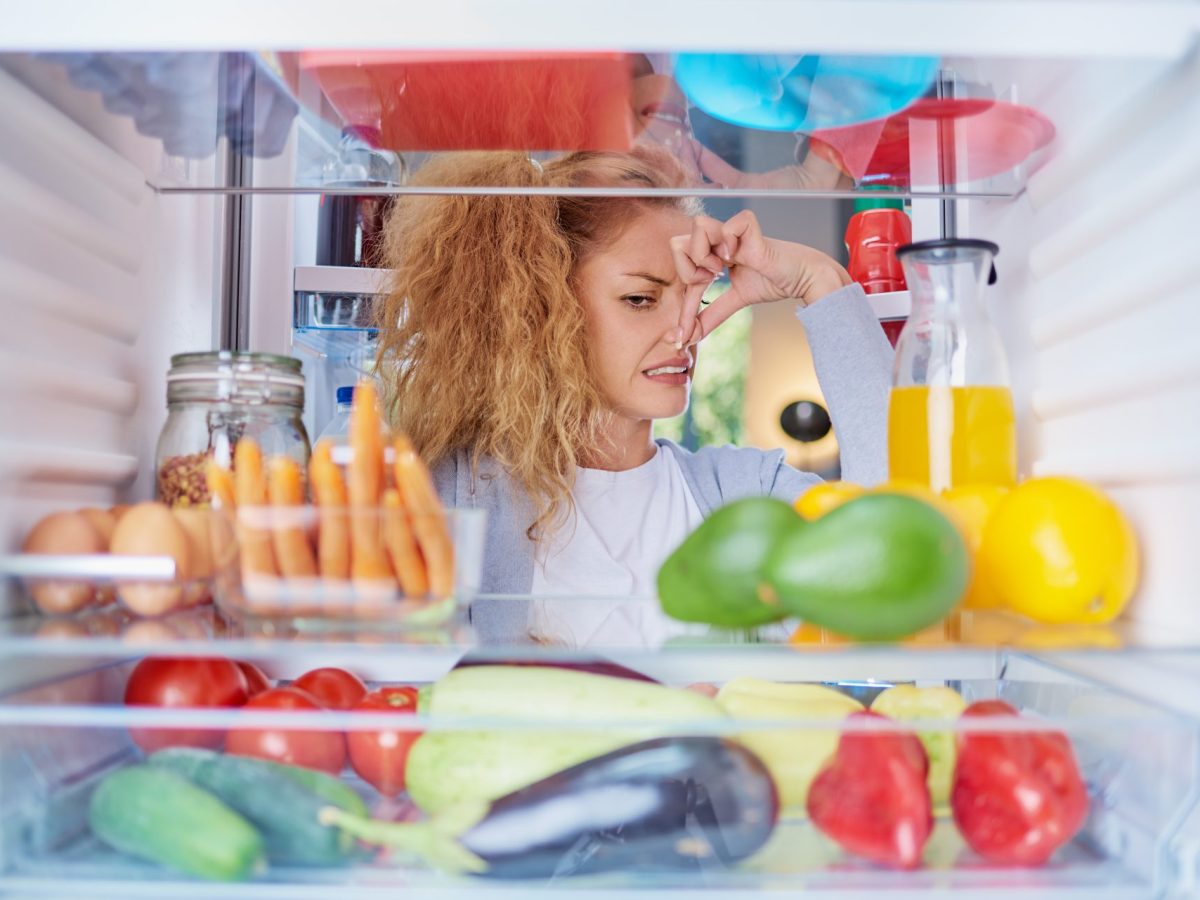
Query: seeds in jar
{"points": [[183, 480]]}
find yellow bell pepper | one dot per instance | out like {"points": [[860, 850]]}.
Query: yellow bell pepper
{"points": [[792, 757]]}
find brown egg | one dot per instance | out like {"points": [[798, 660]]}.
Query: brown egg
{"points": [[103, 521], [149, 529], [196, 523], [63, 533]]}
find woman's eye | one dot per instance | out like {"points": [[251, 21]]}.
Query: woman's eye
{"points": [[640, 301]]}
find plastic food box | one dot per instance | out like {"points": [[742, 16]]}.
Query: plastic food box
{"points": [[62, 738], [242, 590], [437, 100]]}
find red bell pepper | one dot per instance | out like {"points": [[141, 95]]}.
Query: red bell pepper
{"points": [[871, 797], [1018, 795]]}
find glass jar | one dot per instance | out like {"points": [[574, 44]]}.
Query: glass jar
{"points": [[950, 416], [213, 400]]}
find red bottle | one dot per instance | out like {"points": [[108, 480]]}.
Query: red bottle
{"points": [[872, 238]]}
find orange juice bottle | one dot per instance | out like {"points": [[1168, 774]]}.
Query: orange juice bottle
{"points": [[944, 436], [950, 418]]}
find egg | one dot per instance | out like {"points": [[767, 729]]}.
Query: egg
{"points": [[196, 523], [150, 529], [65, 533], [103, 520]]}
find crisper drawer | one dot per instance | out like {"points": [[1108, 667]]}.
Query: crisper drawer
{"points": [[634, 788]]}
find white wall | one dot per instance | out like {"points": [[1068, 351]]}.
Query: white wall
{"points": [[1099, 304], [101, 280]]}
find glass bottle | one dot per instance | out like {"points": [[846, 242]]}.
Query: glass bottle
{"points": [[950, 417], [215, 399]]}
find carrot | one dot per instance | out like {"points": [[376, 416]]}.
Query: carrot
{"points": [[329, 492], [402, 545], [257, 555], [292, 551], [428, 517], [368, 561], [220, 485]]}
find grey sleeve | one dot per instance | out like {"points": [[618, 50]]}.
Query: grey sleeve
{"points": [[782, 481], [853, 360]]}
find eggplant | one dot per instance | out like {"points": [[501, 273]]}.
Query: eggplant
{"points": [[596, 665], [676, 803]]}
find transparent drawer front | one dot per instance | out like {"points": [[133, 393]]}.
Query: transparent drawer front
{"points": [[596, 777]]}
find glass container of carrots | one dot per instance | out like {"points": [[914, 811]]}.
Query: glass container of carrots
{"points": [[950, 417], [320, 541]]}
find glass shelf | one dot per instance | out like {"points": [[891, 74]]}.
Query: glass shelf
{"points": [[627, 630], [364, 123]]}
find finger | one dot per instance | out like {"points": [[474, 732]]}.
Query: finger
{"points": [[706, 243], [744, 236], [718, 312], [717, 170], [689, 272]]}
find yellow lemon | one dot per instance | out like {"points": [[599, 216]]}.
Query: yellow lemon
{"points": [[825, 497], [1060, 551], [973, 505], [922, 492]]}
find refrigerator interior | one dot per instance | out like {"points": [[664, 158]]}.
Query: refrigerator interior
{"points": [[119, 249]]}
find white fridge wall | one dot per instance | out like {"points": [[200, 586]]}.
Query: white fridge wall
{"points": [[101, 280], [1099, 305]]}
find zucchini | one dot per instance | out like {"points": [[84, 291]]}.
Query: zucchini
{"points": [[445, 768], [282, 808], [155, 814]]}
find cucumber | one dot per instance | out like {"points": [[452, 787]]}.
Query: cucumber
{"points": [[282, 808], [155, 814], [329, 788], [445, 767]]}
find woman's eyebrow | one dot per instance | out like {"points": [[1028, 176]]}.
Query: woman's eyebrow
{"points": [[653, 279]]}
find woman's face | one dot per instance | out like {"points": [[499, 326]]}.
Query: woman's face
{"points": [[632, 298]]}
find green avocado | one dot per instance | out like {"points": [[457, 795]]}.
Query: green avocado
{"points": [[715, 575], [879, 567]]}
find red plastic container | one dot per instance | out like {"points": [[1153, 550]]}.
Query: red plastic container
{"points": [[872, 238], [905, 150], [434, 100]]}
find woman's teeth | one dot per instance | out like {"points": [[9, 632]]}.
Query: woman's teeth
{"points": [[668, 370]]}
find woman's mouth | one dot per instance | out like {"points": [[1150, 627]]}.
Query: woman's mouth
{"points": [[674, 372]]}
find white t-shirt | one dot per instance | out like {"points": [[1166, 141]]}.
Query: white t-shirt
{"points": [[601, 566]]}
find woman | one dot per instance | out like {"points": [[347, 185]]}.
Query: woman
{"points": [[529, 343]]}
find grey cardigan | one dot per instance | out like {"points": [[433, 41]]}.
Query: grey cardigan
{"points": [[853, 361]]}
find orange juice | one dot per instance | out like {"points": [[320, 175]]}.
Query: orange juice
{"points": [[947, 436]]}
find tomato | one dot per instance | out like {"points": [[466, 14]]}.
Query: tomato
{"points": [[379, 756], [1017, 796], [198, 683], [256, 679], [334, 688], [324, 750]]}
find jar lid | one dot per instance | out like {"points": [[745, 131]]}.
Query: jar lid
{"points": [[223, 365]]}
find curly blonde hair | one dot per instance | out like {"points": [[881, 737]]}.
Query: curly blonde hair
{"points": [[482, 345]]}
